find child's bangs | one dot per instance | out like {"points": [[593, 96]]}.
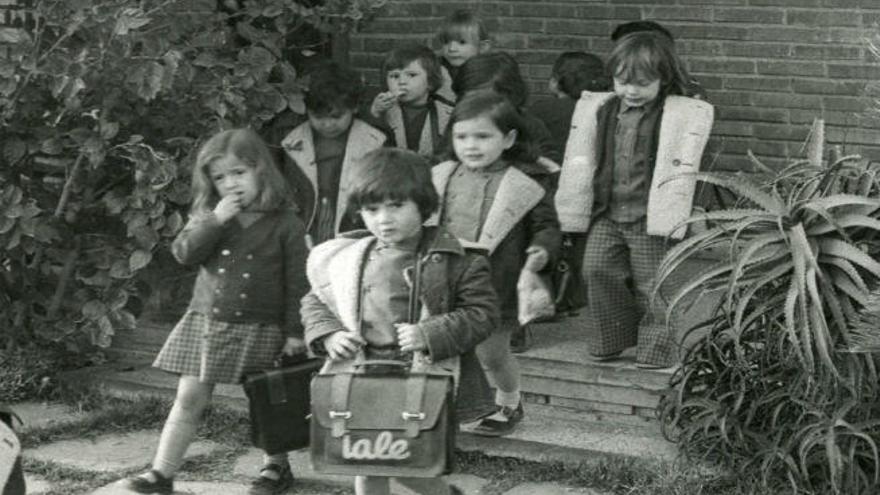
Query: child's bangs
{"points": [[463, 33], [639, 65]]}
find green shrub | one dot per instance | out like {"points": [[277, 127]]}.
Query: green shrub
{"points": [[102, 104], [770, 386]]}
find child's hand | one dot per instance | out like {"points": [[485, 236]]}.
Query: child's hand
{"points": [[538, 258], [294, 346], [343, 345], [410, 338], [227, 207], [382, 103]]}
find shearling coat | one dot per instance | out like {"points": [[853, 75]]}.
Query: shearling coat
{"points": [[459, 307], [430, 140], [521, 215], [676, 148], [301, 169]]}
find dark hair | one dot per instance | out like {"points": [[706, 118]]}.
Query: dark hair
{"points": [[401, 57], [248, 147], [636, 26], [651, 55], [393, 174], [500, 110], [333, 87], [497, 71], [576, 72], [462, 25]]}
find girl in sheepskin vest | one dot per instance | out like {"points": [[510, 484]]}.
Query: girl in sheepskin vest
{"points": [[622, 148]]}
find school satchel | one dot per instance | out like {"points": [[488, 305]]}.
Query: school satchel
{"points": [[383, 418], [279, 404]]}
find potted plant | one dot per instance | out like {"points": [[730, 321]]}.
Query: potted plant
{"points": [[771, 385]]}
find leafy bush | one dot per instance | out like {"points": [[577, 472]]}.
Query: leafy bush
{"points": [[770, 385], [102, 104]]}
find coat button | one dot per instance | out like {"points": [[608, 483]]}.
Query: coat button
{"points": [[245, 275], [238, 313], [221, 271], [226, 252], [242, 296], [249, 256], [217, 291], [215, 311]]}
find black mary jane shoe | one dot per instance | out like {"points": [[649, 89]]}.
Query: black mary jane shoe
{"points": [[151, 482]]}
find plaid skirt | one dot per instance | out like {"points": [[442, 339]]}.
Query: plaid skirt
{"points": [[219, 351]]}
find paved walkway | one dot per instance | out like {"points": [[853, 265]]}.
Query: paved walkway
{"points": [[124, 453]]}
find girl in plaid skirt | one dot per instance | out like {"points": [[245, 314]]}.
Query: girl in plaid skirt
{"points": [[251, 252]]}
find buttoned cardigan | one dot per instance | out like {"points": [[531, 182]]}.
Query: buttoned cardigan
{"points": [[247, 274]]}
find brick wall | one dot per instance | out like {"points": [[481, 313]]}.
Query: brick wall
{"points": [[769, 66]]}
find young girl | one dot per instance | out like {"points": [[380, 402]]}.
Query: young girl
{"points": [[360, 291], [250, 248], [621, 148], [416, 117], [462, 36], [500, 72], [493, 193]]}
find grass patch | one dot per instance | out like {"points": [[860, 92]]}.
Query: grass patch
{"points": [[607, 473]]}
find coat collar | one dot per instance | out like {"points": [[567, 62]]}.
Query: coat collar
{"points": [[300, 146], [517, 194]]}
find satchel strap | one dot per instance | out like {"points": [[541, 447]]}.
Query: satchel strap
{"points": [[413, 412], [339, 411]]}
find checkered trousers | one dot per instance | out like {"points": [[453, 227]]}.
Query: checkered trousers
{"points": [[620, 263], [219, 351]]}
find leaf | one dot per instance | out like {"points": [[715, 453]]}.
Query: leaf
{"points": [[740, 185], [139, 259], [14, 150], [51, 146], [94, 309], [130, 20], [147, 80], [173, 223], [109, 130], [120, 270], [125, 319], [841, 249], [843, 222]]}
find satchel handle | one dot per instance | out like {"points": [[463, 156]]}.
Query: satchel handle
{"points": [[382, 362]]}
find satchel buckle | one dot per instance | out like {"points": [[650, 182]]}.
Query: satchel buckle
{"points": [[408, 416], [340, 414]]}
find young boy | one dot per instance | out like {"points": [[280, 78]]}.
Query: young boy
{"points": [[320, 155], [462, 36], [410, 107], [361, 291]]}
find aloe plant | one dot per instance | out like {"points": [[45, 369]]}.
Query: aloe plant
{"points": [[773, 380]]}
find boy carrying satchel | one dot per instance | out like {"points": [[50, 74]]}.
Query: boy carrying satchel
{"points": [[361, 287]]}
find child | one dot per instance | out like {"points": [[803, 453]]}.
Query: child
{"points": [[244, 311], [609, 188], [573, 73], [409, 107], [393, 193], [461, 37], [320, 154], [493, 193], [500, 72], [692, 87]]}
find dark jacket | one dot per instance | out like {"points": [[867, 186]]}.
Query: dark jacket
{"points": [[247, 274], [459, 305], [525, 217], [556, 114], [301, 170]]}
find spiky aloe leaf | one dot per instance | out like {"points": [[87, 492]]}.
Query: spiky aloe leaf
{"points": [[844, 250], [740, 185], [844, 222], [847, 268]]}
